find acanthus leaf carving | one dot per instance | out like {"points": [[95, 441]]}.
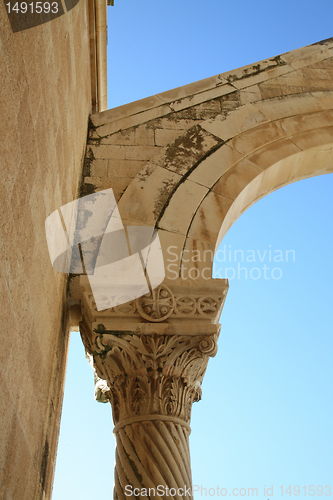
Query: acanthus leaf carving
{"points": [[152, 374]]}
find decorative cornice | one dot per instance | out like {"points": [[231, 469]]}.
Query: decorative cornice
{"points": [[173, 307]]}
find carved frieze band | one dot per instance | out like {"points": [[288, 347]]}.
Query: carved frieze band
{"points": [[161, 304]]}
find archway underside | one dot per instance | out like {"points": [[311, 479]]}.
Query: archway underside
{"points": [[191, 160]]}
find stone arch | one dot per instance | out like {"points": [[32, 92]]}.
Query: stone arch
{"points": [[215, 142], [309, 163], [228, 179]]}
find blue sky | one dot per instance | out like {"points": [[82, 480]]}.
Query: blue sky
{"points": [[266, 414], [159, 45]]}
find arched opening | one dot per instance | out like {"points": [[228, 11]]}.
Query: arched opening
{"points": [[266, 409], [311, 162], [267, 395]]}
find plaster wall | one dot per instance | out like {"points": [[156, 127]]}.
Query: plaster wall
{"points": [[45, 102]]}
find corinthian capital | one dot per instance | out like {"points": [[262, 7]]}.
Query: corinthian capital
{"points": [[150, 375], [152, 352]]}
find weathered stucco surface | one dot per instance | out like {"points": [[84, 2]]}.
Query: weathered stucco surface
{"points": [[191, 160], [45, 103]]}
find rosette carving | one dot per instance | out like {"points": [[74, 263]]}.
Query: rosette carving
{"points": [[156, 305]]}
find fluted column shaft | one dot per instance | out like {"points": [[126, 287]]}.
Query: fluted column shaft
{"points": [[152, 455], [152, 381]]}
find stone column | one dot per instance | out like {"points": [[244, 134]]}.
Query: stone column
{"points": [[150, 356]]}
